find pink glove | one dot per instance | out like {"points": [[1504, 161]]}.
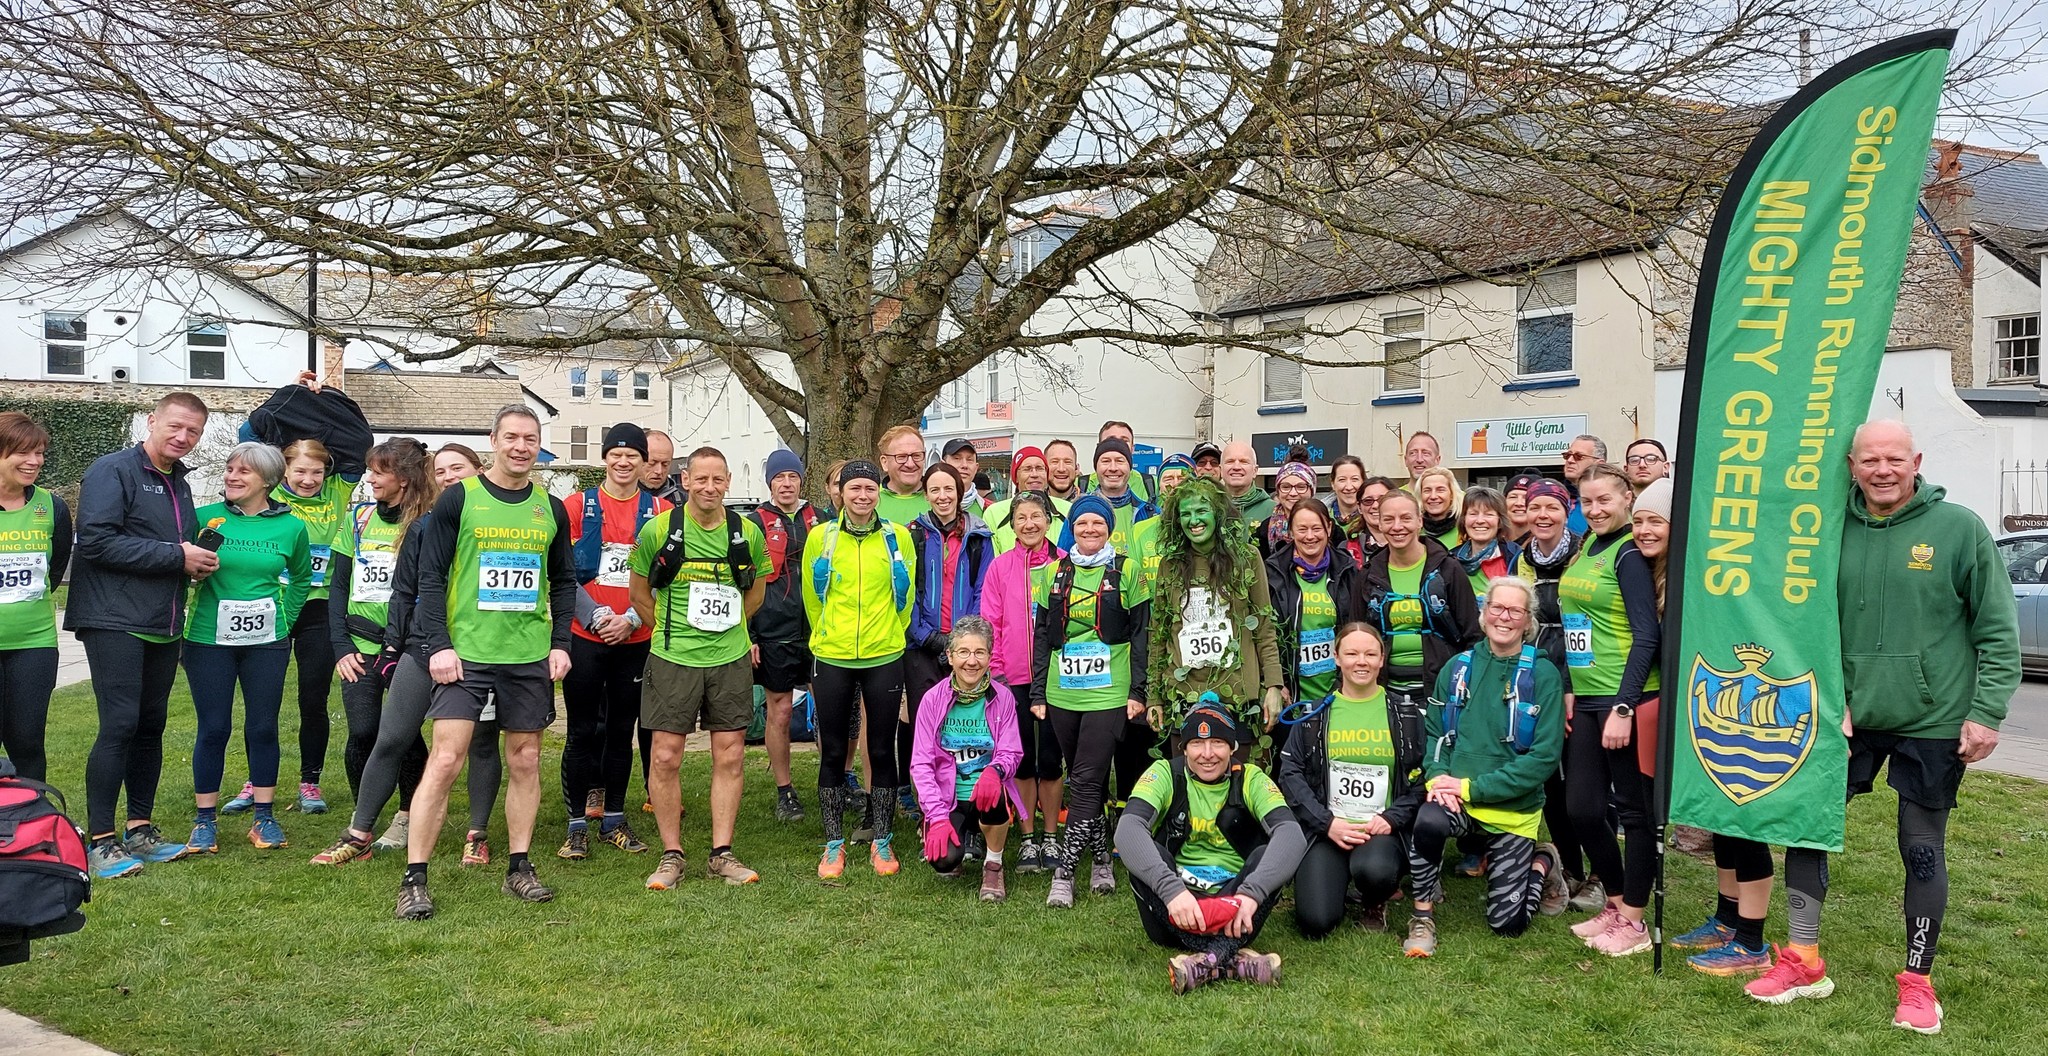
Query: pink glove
{"points": [[939, 837], [988, 790], [1217, 913]]}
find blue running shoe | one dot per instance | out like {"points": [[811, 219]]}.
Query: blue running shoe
{"points": [[1730, 959], [205, 838], [146, 843], [906, 805], [267, 834], [310, 799], [242, 800], [110, 860], [1708, 936]]}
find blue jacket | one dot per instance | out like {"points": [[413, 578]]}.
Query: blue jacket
{"points": [[977, 550], [129, 567]]}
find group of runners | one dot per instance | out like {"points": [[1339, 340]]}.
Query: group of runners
{"points": [[1228, 689]]}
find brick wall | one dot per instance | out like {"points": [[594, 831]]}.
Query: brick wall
{"points": [[233, 399]]}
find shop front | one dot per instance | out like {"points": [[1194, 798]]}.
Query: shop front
{"points": [[1489, 451], [1324, 446]]}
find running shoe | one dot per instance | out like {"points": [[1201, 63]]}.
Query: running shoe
{"points": [[344, 850], [524, 885], [788, 808], [310, 799], [110, 860], [268, 835], [1373, 918], [1622, 938], [1557, 891], [395, 835], [832, 865], [476, 848], [1261, 969], [1189, 971], [1708, 936], [730, 869], [242, 801], [882, 856], [577, 846], [413, 901], [1588, 896], [149, 845], [1791, 979], [205, 838], [593, 804], [1048, 852], [1918, 1011], [623, 838], [906, 805], [1102, 876], [669, 871], [1061, 896], [976, 847], [993, 888], [1729, 959], [1592, 926], [1421, 937], [1472, 865], [1027, 856]]}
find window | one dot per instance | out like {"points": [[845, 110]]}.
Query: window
{"points": [[64, 342], [2018, 348], [2026, 559], [579, 444], [579, 383], [608, 385], [1280, 376], [643, 386], [1403, 370], [995, 382], [1543, 323], [206, 349]]}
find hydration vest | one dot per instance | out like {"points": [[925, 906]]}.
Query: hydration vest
{"points": [[1234, 820], [1520, 695], [589, 548]]}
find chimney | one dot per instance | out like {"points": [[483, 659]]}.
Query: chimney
{"points": [[332, 362], [1805, 56]]}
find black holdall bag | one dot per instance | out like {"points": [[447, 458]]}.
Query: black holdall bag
{"points": [[43, 873], [295, 412]]}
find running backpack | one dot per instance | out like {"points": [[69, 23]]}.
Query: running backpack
{"points": [[1521, 700], [43, 877], [1112, 622], [739, 557], [1245, 833]]}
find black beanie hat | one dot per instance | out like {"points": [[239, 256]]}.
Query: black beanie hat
{"points": [[625, 434]]}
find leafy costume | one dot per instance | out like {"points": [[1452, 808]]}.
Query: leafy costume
{"points": [[1215, 585]]}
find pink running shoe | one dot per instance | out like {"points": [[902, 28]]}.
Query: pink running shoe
{"points": [[1592, 926], [1791, 979], [1918, 1010]]}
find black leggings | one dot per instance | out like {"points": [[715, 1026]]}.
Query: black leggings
{"points": [[1594, 777], [362, 702], [1513, 886], [27, 677], [602, 697], [922, 669], [967, 820], [1088, 741], [1327, 871], [400, 755], [1134, 756], [1162, 931], [1750, 860], [1042, 759], [131, 683], [1559, 821], [835, 690], [1923, 848], [314, 652]]}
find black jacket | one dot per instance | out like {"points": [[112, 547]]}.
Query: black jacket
{"points": [[401, 633], [132, 522], [1549, 620], [1286, 594], [1450, 613], [1305, 771], [781, 615]]}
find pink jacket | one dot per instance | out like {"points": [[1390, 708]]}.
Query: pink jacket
{"points": [[931, 767], [1006, 605]]}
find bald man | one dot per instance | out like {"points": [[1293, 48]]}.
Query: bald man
{"points": [[1241, 482], [1930, 654]]}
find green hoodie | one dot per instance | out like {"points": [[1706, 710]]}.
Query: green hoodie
{"points": [[1930, 634], [266, 569], [1483, 755]]}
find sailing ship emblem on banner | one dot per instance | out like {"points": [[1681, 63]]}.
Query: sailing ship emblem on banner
{"points": [[1752, 731]]}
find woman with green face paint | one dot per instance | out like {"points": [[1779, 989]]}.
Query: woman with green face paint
{"points": [[1215, 630]]}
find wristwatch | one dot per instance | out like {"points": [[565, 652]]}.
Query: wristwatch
{"points": [[1626, 711]]}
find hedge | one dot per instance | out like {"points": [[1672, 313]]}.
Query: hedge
{"points": [[80, 431]]}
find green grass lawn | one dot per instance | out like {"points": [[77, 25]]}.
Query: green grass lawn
{"points": [[255, 952]]}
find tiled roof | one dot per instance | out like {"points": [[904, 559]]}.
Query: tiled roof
{"points": [[431, 401], [555, 321], [355, 296]]}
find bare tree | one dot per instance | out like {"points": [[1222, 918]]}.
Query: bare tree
{"points": [[837, 181]]}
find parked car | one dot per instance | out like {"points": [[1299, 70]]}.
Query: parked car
{"points": [[2026, 563]]}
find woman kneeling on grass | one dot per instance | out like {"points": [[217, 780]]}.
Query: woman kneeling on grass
{"points": [[1351, 770], [1209, 844], [1494, 729], [964, 756]]}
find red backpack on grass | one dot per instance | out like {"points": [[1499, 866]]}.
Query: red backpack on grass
{"points": [[43, 876]]}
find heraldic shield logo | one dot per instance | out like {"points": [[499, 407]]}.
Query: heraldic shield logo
{"points": [[1752, 731]]}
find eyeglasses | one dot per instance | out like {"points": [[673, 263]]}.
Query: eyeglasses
{"points": [[1369, 500], [1643, 460], [913, 457], [1507, 611], [1577, 456]]}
